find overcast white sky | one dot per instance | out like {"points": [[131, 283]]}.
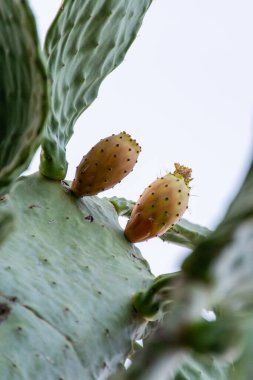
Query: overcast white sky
{"points": [[185, 92]]}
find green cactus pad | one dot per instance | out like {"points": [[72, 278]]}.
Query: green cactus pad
{"points": [[67, 276], [23, 90], [87, 40], [186, 234]]}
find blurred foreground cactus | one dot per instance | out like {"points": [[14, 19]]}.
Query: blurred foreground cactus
{"points": [[75, 295]]}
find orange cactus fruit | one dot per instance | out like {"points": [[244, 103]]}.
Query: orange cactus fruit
{"points": [[160, 206], [105, 165]]}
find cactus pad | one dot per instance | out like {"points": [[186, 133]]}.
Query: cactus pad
{"points": [[87, 40], [23, 90], [67, 276]]}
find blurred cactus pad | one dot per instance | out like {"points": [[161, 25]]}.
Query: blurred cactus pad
{"points": [[75, 295]]}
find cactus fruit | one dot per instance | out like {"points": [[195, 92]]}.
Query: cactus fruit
{"points": [[105, 165], [160, 206]]}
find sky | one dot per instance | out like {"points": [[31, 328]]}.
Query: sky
{"points": [[185, 93]]}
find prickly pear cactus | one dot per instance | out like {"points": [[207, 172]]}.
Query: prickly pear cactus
{"points": [[67, 273], [75, 295]]}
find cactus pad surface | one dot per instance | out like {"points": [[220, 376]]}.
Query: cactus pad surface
{"points": [[67, 275]]}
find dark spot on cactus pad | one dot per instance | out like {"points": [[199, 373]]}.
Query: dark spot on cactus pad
{"points": [[4, 311], [107, 331], [177, 214], [102, 150], [69, 339], [13, 299], [89, 218], [179, 190], [179, 203], [115, 155], [128, 159], [166, 185], [33, 206], [166, 199]]}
